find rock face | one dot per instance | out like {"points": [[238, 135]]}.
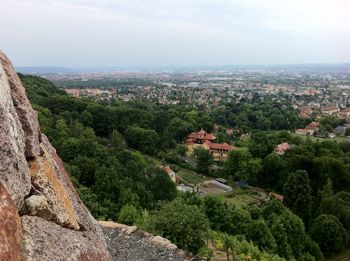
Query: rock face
{"points": [[13, 165], [9, 227], [25, 112], [128, 244], [53, 223]]}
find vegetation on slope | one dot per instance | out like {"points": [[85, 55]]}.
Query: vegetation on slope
{"points": [[117, 183]]}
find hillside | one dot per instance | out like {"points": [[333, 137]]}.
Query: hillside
{"points": [[41, 215]]}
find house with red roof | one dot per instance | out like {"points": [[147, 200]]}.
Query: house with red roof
{"points": [[329, 110], [206, 140], [313, 126], [344, 114], [305, 112], [282, 148], [201, 137], [310, 129]]}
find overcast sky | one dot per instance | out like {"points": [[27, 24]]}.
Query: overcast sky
{"points": [[84, 33]]}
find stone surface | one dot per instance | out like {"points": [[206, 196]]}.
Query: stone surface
{"points": [[130, 230], [138, 245], [9, 227], [44, 180], [37, 205], [46, 241], [27, 116], [14, 172], [158, 240], [85, 219]]}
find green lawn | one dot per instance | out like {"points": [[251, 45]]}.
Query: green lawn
{"points": [[189, 177], [240, 197]]}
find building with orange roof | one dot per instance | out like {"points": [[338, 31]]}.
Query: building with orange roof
{"points": [[206, 140], [329, 110], [282, 148]]}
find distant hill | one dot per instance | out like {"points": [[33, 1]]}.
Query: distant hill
{"points": [[286, 68]]}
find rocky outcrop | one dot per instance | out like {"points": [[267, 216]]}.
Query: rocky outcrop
{"points": [[25, 112], [45, 181], [44, 240], [13, 165], [127, 243], [53, 223]]}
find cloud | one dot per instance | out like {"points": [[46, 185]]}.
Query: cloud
{"points": [[165, 32]]}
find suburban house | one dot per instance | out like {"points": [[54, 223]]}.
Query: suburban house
{"points": [[344, 114], [329, 110], [170, 172], [305, 112], [313, 126], [302, 132], [219, 151], [282, 148], [309, 129], [341, 129]]}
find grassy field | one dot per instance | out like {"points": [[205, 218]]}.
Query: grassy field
{"points": [[240, 197], [189, 177]]}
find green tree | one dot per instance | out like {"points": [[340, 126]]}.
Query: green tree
{"points": [[116, 140], [329, 233], [338, 205], [181, 150], [215, 210], [160, 184], [184, 225], [242, 165], [279, 232], [330, 168], [128, 215], [203, 159], [297, 194], [238, 221], [292, 225], [271, 176], [145, 140], [261, 235]]}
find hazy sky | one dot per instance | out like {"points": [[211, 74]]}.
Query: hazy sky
{"points": [[76, 33]]}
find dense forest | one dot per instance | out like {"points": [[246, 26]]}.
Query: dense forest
{"points": [[104, 147]]}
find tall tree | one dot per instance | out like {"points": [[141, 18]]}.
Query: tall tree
{"points": [[203, 159], [297, 194], [329, 233], [183, 224]]}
